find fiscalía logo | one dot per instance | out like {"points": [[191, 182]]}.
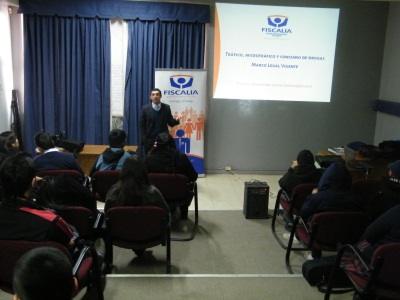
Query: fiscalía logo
{"points": [[277, 26], [182, 83], [277, 21]]}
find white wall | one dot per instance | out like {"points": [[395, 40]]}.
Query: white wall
{"points": [[388, 126], [6, 71]]}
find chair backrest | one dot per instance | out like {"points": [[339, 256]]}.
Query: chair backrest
{"points": [[330, 229], [82, 218], [10, 253], [300, 194], [387, 283], [173, 187], [74, 173], [129, 225], [367, 189], [102, 181]]}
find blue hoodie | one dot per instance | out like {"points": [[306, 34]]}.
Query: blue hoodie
{"points": [[334, 193]]}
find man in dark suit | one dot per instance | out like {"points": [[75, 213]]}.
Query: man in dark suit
{"points": [[154, 119]]}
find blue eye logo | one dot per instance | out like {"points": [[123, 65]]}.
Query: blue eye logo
{"points": [[277, 20], [181, 81]]}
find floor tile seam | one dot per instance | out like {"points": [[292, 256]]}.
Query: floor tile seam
{"points": [[204, 275]]}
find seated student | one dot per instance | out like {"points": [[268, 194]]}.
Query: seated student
{"points": [[385, 229], [50, 157], [334, 193], [302, 170], [57, 192], [389, 194], [43, 273], [20, 217], [134, 188], [165, 158], [8, 144], [112, 158]]}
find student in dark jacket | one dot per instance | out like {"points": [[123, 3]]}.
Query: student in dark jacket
{"points": [[113, 157], [134, 187], [385, 229], [302, 170], [50, 157], [20, 217], [165, 158], [389, 194], [60, 191], [334, 193]]}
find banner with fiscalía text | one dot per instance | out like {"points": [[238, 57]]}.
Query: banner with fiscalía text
{"points": [[185, 91]]}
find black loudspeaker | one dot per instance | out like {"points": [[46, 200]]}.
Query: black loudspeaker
{"points": [[256, 197]]}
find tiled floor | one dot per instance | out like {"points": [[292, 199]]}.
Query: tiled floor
{"points": [[226, 191]]}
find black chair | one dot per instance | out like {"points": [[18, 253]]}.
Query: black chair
{"points": [[73, 173], [137, 228], [87, 223], [102, 181], [290, 205], [383, 273], [177, 190], [326, 231]]}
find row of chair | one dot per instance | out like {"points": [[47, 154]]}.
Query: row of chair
{"points": [[131, 227], [176, 189], [331, 231]]}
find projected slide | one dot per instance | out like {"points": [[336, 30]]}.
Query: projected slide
{"points": [[274, 52]]}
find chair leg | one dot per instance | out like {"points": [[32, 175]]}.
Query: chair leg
{"points": [[168, 251], [196, 220], [289, 247], [108, 257], [274, 216]]}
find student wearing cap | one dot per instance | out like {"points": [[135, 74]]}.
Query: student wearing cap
{"points": [[389, 194]]}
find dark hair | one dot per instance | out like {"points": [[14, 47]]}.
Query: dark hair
{"points": [[164, 145], [43, 140], [43, 273], [16, 174], [116, 138], [44, 193], [163, 141], [156, 90], [133, 181], [7, 139], [305, 157]]}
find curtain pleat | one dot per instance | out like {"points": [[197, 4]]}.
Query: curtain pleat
{"points": [[67, 78]]}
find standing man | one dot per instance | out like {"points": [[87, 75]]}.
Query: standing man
{"points": [[154, 119]]}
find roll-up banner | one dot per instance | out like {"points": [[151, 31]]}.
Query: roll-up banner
{"points": [[185, 91]]}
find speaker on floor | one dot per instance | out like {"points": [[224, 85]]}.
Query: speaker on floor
{"points": [[256, 197]]}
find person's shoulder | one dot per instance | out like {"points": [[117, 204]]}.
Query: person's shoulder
{"points": [[146, 106]]}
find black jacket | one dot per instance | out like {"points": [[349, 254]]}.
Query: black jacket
{"points": [[334, 193], [300, 174], [147, 122]]}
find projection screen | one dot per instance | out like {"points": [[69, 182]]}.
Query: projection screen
{"points": [[274, 52]]}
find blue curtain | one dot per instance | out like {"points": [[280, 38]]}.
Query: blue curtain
{"points": [[157, 44], [67, 78]]}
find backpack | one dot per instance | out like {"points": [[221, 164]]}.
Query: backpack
{"points": [[317, 272]]}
